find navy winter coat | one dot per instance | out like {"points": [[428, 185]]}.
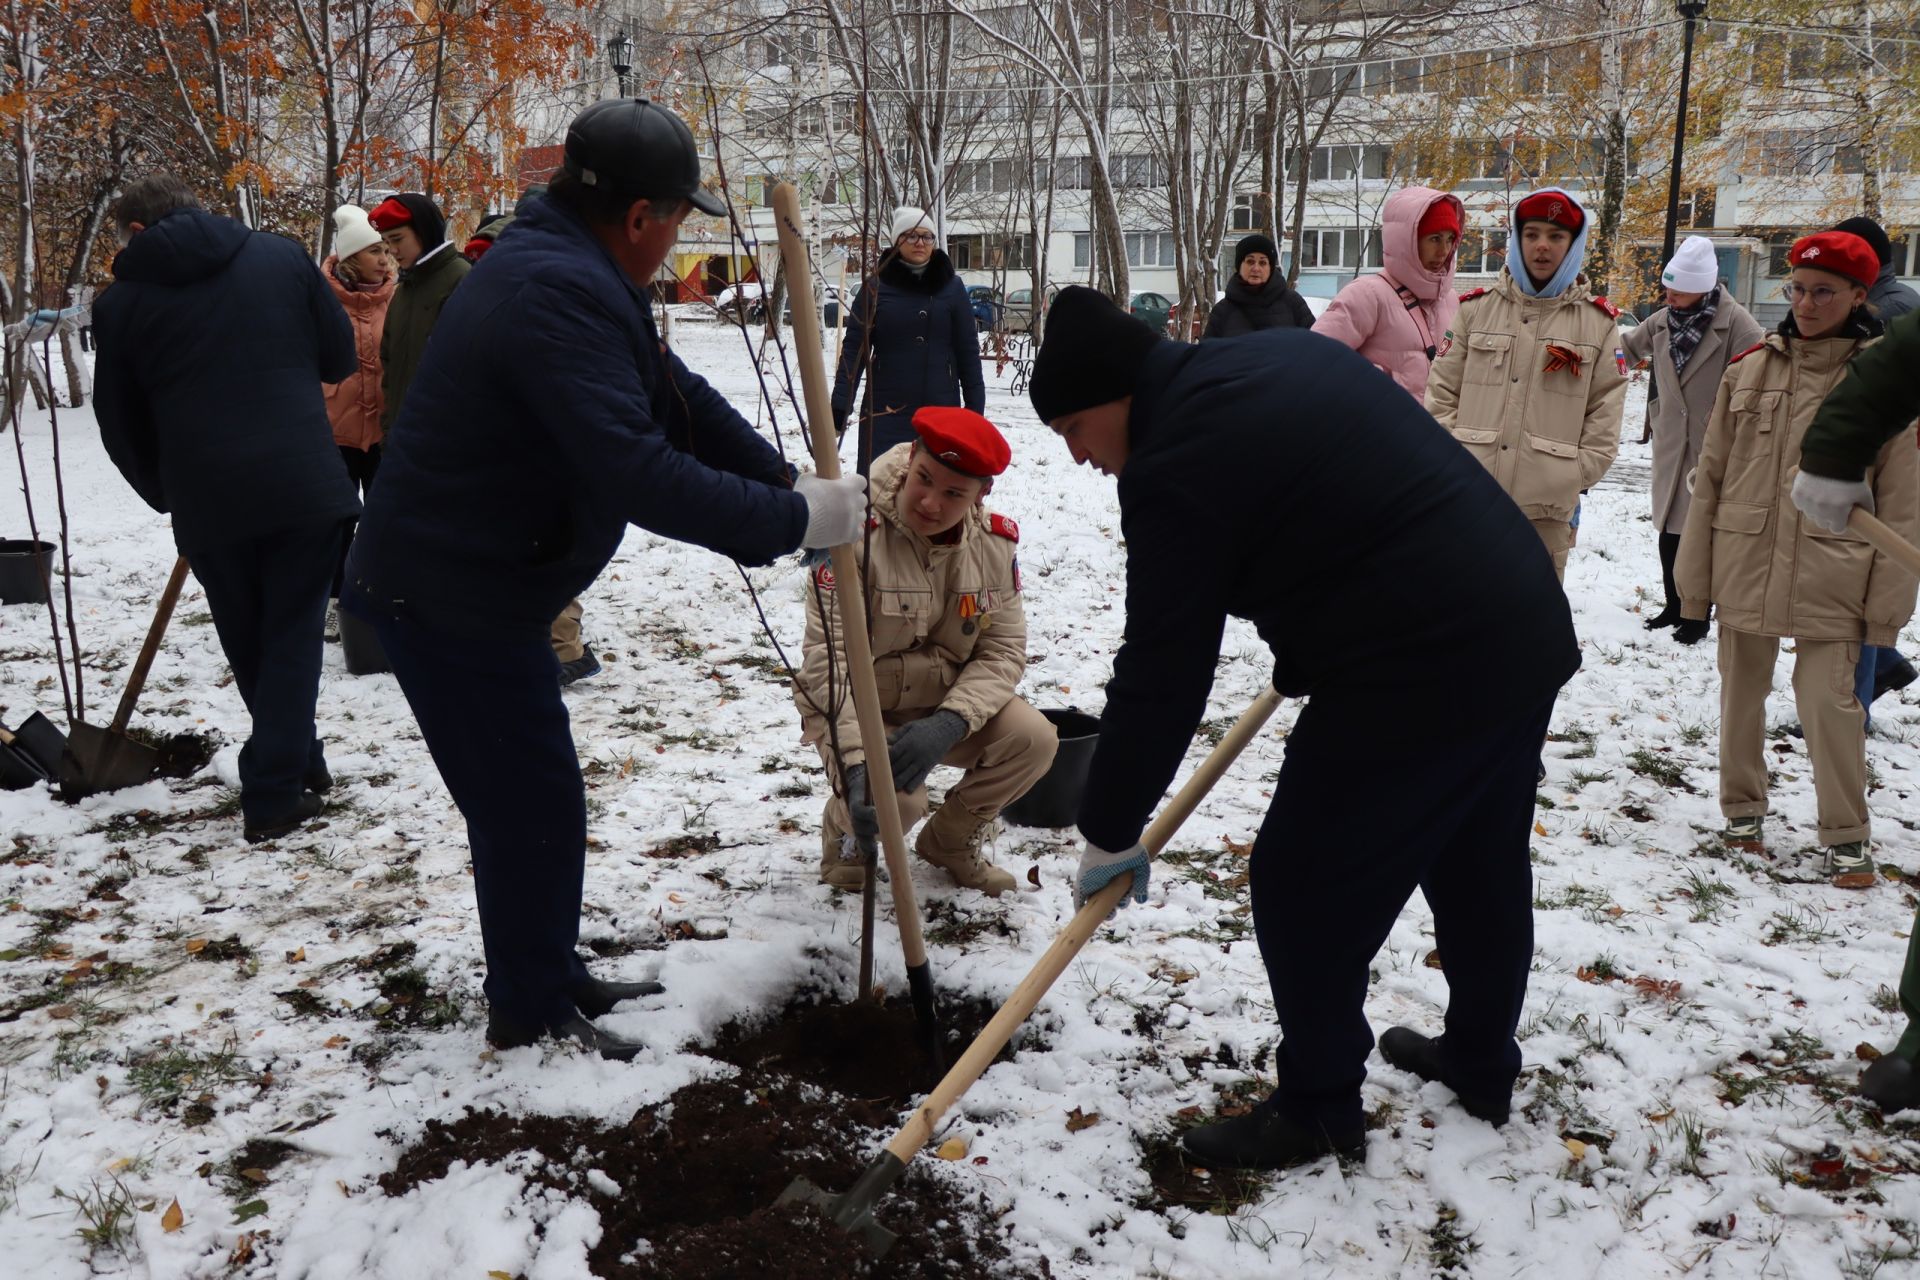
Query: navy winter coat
{"points": [[213, 343], [1245, 309], [545, 418], [925, 349], [1380, 561]]}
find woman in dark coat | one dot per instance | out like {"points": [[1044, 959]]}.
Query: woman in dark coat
{"points": [[911, 332], [1257, 296]]}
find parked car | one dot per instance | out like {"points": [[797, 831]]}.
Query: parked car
{"points": [[988, 307], [748, 300], [1152, 308]]}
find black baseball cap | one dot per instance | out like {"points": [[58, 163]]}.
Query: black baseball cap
{"points": [[635, 147]]}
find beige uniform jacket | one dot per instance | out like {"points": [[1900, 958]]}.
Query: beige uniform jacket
{"points": [[1530, 386], [949, 630], [1685, 403], [1746, 547]]}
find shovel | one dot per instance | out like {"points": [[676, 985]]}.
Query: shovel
{"points": [[853, 619], [18, 768], [853, 1212], [1885, 540], [38, 744], [107, 759]]}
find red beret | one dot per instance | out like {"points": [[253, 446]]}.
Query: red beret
{"points": [[388, 214], [1840, 252], [1442, 215], [477, 248], [963, 440], [1556, 207]]}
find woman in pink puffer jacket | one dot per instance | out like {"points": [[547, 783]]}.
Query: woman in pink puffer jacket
{"points": [[1399, 317]]}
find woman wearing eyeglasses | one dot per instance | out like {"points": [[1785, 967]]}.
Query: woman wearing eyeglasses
{"points": [[910, 332], [1772, 574]]}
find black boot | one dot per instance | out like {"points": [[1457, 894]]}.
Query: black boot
{"points": [[503, 1034], [1892, 1084], [1265, 1139], [1412, 1052], [1670, 615], [305, 808], [1898, 676], [595, 998], [1691, 631], [319, 778]]}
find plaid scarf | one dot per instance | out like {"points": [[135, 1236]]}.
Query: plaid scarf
{"points": [[1686, 328]]}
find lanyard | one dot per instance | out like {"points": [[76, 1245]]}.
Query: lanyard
{"points": [[1416, 313]]}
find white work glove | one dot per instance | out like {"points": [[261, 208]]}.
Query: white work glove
{"points": [[1828, 502], [1098, 869], [835, 508]]}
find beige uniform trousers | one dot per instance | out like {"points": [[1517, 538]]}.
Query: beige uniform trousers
{"points": [[1558, 535], [1833, 719], [565, 635], [1003, 758]]}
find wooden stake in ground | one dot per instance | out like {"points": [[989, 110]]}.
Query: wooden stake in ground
{"points": [[853, 611]]}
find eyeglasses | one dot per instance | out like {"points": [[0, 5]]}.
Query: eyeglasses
{"points": [[1819, 295], [918, 237]]}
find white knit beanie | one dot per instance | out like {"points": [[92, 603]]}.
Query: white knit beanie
{"points": [[905, 219], [1694, 268], [351, 231]]}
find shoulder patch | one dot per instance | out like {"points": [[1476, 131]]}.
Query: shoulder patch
{"points": [[1004, 527], [1749, 351], [1471, 294], [823, 577], [1612, 311]]}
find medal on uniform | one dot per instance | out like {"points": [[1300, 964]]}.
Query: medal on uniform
{"points": [[969, 606]]}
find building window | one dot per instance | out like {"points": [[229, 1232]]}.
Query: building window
{"points": [[1149, 249], [1343, 248], [1082, 250], [1481, 253], [1242, 217]]}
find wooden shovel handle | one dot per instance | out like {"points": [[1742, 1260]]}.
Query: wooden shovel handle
{"points": [[1885, 540], [137, 679], [919, 1127], [846, 572]]}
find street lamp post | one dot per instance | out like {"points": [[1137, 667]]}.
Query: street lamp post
{"points": [[620, 58], [1690, 10]]}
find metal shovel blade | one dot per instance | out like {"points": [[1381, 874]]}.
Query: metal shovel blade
{"points": [[41, 740], [101, 760], [852, 1212]]}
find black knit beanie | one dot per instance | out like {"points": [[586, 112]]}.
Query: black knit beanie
{"points": [[1091, 354], [1256, 243], [1873, 233]]}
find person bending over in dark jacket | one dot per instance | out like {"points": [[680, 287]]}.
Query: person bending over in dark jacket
{"points": [[1258, 296], [214, 342], [911, 333], [1232, 502], [546, 417]]}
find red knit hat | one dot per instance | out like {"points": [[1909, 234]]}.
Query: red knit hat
{"points": [[1442, 215], [1841, 252], [1556, 207], [963, 440]]}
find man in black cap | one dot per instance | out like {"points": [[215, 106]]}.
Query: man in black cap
{"points": [[1372, 584], [547, 416]]}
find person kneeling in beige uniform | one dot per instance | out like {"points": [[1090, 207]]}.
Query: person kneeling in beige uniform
{"points": [[942, 581], [1772, 574]]}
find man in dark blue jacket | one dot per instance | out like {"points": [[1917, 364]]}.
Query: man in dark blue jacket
{"points": [[214, 341], [1369, 551], [545, 418]]}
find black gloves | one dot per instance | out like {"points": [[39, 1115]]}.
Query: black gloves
{"points": [[915, 748]]}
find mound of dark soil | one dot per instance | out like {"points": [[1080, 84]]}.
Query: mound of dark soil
{"points": [[820, 1088]]}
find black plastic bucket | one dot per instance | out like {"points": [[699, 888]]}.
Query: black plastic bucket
{"points": [[25, 570], [1054, 801], [360, 645]]}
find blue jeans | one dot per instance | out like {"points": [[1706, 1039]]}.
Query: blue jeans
{"points": [[1874, 662]]}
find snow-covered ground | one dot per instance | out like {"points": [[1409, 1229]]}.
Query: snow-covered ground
{"points": [[1689, 1039]]}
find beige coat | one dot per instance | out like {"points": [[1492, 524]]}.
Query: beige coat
{"points": [[1546, 434], [1746, 548], [949, 630], [1685, 401]]}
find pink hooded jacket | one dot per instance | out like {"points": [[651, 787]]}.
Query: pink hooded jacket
{"points": [[1374, 317]]}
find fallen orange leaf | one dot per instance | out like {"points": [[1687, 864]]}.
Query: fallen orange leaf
{"points": [[172, 1220]]}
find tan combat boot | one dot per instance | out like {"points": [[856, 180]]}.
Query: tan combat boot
{"points": [[951, 841], [842, 865]]}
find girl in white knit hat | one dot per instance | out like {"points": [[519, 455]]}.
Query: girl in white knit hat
{"points": [[910, 337], [361, 272], [1688, 342]]}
